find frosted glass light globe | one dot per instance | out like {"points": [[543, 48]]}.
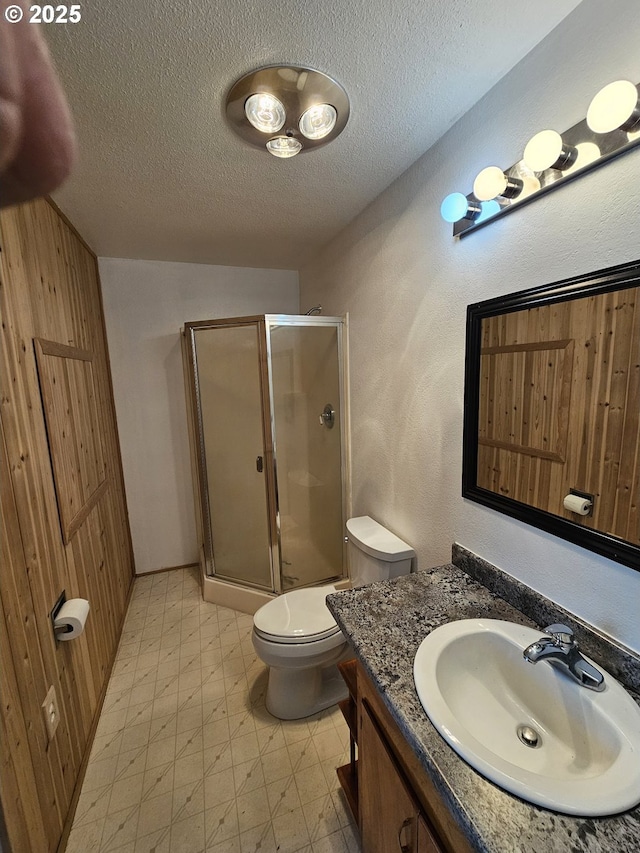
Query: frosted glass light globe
{"points": [[614, 106], [284, 146], [546, 150], [265, 112], [489, 183], [454, 207], [318, 121], [492, 182]]}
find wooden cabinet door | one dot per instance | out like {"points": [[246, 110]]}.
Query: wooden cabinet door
{"points": [[427, 842], [388, 811]]}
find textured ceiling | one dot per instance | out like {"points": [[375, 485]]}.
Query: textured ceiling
{"points": [[162, 176]]}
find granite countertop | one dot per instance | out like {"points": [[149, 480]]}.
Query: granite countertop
{"points": [[385, 623]]}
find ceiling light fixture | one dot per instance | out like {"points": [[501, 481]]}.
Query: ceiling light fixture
{"points": [[287, 109]]}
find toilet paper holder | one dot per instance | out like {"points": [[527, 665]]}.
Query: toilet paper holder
{"points": [[57, 630], [69, 617], [586, 496]]}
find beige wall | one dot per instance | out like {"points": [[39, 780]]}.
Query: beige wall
{"points": [[406, 284], [146, 303]]}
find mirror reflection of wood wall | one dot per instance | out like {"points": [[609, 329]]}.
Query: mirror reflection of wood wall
{"points": [[560, 408]]}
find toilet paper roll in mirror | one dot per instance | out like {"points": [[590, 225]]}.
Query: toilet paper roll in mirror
{"points": [[71, 619], [574, 503]]}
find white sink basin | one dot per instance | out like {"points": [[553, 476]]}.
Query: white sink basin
{"points": [[477, 689]]}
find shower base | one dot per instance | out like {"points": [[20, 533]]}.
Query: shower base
{"points": [[241, 598]]}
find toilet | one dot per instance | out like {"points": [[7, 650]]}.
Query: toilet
{"points": [[300, 641]]}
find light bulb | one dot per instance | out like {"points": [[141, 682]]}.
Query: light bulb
{"points": [[265, 112], [457, 206], [615, 106], [492, 182], [318, 121], [546, 150], [284, 146]]}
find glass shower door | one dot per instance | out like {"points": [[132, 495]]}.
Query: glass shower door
{"points": [[307, 433], [230, 392]]}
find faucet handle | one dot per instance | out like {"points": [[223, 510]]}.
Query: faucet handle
{"points": [[561, 634]]}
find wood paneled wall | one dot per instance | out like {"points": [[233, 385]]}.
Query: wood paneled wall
{"points": [[560, 408], [64, 515]]}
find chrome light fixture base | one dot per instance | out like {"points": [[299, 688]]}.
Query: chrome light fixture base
{"points": [[551, 160], [298, 89]]}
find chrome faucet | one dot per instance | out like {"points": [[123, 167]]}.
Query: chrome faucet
{"points": [[561, 650]]}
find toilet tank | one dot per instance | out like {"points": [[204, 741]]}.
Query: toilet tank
{"points": [[375, 553]]}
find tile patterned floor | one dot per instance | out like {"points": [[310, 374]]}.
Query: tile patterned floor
{"points": [[186, 759]]}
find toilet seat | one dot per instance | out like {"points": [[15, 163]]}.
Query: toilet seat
{"points": [[299, 616]]}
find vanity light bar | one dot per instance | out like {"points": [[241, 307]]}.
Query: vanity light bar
{"points": [[612, 127]]}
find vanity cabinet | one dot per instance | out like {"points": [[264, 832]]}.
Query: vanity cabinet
{"points": [[390, 814], [398, 808]]}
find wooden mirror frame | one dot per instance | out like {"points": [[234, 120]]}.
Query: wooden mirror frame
{"points": [[591, 284]]}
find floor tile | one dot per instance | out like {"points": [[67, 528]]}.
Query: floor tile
{"points": [[290, 831], [85, 837], [157, 842], [221, 822], [188, 800], [187, 836], [248, 776], [253, 809], [119, 829], [187, 759], [158, 780], [321, 818], [100, 773], [260, 839], [155, 814], [283, 796], [125, 792], [276, 765], [231, 845], [218, 788]]}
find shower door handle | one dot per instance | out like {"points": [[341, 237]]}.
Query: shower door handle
{"points": [[259, 464], [328, 416]]}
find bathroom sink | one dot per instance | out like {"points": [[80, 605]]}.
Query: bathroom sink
{"points": [[530, 728]]}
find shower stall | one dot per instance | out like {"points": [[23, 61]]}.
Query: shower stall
{"points": [[268, 413]]}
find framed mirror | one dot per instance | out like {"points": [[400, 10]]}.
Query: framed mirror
{"points": [[552, 409]]}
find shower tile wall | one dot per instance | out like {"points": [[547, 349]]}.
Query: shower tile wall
{"points": [[186, 758]]}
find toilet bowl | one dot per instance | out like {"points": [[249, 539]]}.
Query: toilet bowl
{"points": [[300, 641]]}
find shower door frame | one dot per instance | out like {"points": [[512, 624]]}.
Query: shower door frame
{"points": [[264, 324], [341, 324], [190, 329]]}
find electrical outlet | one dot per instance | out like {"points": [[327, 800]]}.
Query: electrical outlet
{"points": [[51, 712]]}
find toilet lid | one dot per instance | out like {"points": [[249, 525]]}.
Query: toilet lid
{"points": [[297, 615]]}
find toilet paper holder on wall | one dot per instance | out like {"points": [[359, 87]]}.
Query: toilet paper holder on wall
{"points": [[56, 609], [69, 617], [58, 629], [586, 496]]}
